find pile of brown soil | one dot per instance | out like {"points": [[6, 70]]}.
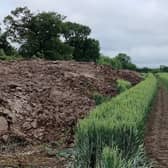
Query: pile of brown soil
{"points": [[41, 101]]}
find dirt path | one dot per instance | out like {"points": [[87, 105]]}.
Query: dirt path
{"points": [[156, 140]]}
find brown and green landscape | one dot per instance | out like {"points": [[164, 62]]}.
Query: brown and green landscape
{"points": [[69, 100]]}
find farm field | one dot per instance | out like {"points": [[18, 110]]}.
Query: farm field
{"points": [[26, 119], [41, 102], [116, 130], [127, 130], [83, 87]]}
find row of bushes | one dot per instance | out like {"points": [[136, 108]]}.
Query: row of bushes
{"points": [[121, 61], [117, 124]]}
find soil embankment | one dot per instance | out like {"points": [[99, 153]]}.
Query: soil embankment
{"points": [[41, 102]]}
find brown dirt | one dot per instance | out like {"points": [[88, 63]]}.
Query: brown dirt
{"points": [[156, 140], [41, 102]]}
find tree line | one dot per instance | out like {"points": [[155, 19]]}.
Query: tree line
{"points": [[50, 36], [47, 35], [121, 61]]}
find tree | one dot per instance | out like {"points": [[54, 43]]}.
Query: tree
{"points": [[85, 49], [123, 61], [47, 35], [5, 45], [105, 60], [17, 24], [38, 34], [163, 68], [74, 30]]}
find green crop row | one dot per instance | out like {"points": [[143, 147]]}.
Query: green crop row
{"points": [[116, 124]]}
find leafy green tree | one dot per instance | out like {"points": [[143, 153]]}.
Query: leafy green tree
{"points": [[105, 60], [5, 46], [47, 35], [116, 63], [113, 62], [123, 61], [75, 30], [17, 24], [163, 68], [85, 48], [38, 34]]}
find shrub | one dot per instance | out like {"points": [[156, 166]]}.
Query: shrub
{"points": [[9, 58], [2, 53], [104, 60], [99, 98], [123, 85]]}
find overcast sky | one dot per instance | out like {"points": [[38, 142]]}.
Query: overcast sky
{"points": [[137, 27]]}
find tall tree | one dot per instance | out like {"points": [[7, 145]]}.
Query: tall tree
{"points": [[75, 30], [123, 61], [47, 35], [17, 24], [5, 45], [38, 34], [77, 36]]}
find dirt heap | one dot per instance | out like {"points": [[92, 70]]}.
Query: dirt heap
{"points": [[41, 101]]}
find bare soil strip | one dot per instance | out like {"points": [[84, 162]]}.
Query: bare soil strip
{"points": [[156, 140]]}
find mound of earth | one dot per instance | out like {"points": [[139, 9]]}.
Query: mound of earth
{"points": [[41, 101]]}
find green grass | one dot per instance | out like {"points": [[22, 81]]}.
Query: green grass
{"points": [[118, 123], [123, 85], [10, 58]]}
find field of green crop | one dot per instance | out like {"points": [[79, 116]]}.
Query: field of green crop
{"points": [[113, 132], [163, 78]]}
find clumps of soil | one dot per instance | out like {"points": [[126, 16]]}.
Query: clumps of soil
{"points": [[41, 101]]}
